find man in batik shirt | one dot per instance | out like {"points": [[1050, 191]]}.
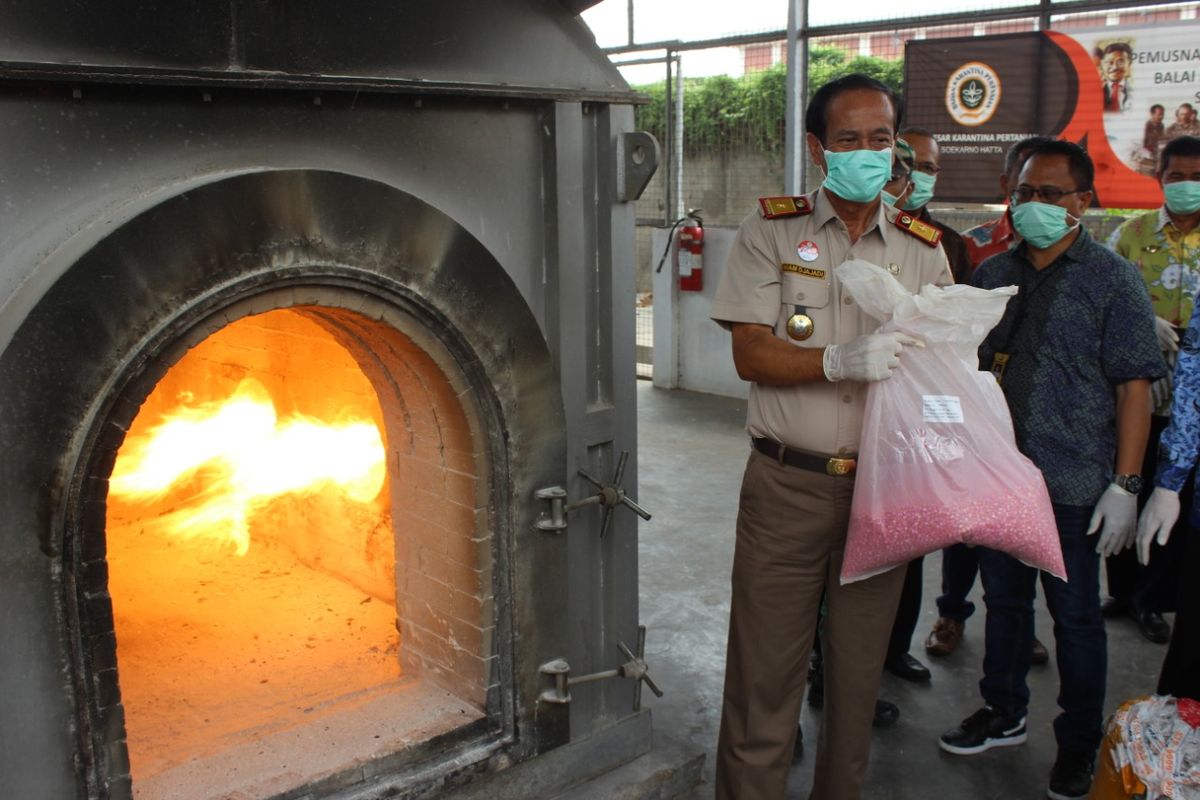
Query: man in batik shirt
{"points": [[960, 563], [1074, 353], [1180, 442], [1165, 247]]}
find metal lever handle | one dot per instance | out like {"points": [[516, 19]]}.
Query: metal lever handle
{"points": [[559, 673], [636, 668], [610, 495]]}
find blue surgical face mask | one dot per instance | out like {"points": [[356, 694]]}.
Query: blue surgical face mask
{"points": [[922, 191], [1183, 197], [1041, 224], [857, 175], [888, 197]]}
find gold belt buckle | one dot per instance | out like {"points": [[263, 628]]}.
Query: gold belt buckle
{"points": [[839, 466]]}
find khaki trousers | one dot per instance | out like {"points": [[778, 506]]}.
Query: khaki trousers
{"points": [[791, 531]]}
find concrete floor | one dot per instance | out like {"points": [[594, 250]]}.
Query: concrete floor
{"points": [[692, 452]]}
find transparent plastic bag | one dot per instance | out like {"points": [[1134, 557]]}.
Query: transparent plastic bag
{"points": [[1151, 749], [938, 462]]}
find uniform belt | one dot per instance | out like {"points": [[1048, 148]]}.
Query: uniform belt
{"points": [[830, 465]]}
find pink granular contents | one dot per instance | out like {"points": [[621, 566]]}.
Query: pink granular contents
{"points": [[1020, 523]]}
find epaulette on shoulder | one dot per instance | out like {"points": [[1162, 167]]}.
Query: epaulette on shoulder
{"points": [[780, 207], [922, 230]]}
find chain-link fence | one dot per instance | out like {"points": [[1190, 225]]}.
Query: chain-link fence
{"points": [[717, 88]]}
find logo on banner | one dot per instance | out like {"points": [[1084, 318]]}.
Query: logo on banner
{"points": [[973, 93]]}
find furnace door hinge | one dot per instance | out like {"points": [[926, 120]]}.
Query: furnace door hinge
{"points": [[610, 496], [558, 672]]}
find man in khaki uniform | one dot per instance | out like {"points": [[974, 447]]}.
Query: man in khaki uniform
{"points": [[808, 352]]}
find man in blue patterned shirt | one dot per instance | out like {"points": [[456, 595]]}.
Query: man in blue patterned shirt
{"points": [[1074, 353], [1180, 447], [1180, 450], [1178, 454]]}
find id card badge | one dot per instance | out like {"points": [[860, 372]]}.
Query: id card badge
{"points": [[999, 362]]}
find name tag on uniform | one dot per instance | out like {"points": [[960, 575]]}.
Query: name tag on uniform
{"points": [[801, 269]]}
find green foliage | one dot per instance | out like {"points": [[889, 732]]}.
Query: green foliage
{"points": [[721, 111]]}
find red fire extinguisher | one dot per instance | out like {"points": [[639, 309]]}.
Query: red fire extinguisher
{"points": [[690, 253]]}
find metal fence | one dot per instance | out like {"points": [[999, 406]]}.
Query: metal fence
{"points": [[718, 98]]}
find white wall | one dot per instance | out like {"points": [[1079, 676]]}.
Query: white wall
{"points": [[690, 350]]}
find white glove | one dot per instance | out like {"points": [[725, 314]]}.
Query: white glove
{"points": [[1157, 520], [1168, 339], [871, 357], [1160, 394], [1117, 512]]}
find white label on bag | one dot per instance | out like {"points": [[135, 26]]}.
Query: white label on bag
{"points": [[941, 408]]}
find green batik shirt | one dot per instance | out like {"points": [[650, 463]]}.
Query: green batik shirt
{"points": [[1168, 260]]}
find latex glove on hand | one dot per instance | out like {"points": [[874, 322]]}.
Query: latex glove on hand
{"points": [[1116, 519], [1157, 520], [1168, 339], [1160, 393], [871, 357]]}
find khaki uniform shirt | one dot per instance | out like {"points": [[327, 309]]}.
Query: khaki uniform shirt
{"points": [[773, 268]]}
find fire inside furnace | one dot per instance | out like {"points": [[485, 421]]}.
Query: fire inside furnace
{"points": [[228, 460], [252, 562]]}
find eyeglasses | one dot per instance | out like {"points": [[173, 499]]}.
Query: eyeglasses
{"points": [[1051, 194]]}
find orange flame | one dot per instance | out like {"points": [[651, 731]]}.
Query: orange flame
{"points": [[241, 456]]}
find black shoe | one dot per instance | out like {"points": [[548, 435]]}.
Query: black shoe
{"points": [[983, 730], [798, 748], [886, 714], [1153, 626], [1114, 607], [1071, 776], [1040, 654], [906, 667]]}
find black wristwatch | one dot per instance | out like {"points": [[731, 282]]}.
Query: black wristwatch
{"points": [[1130, 483]]}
